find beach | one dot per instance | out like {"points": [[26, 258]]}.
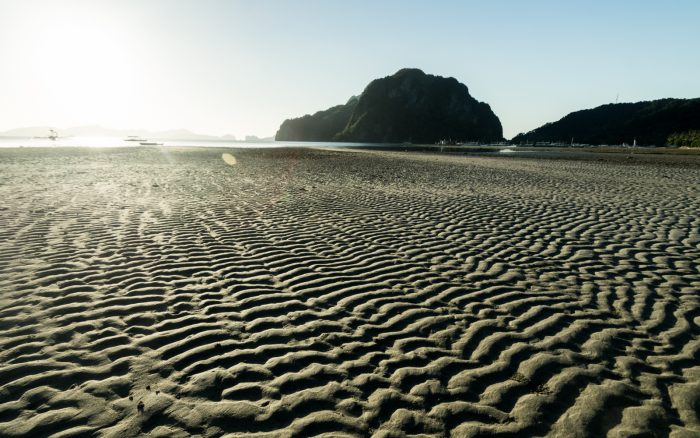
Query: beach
{"points": [[210, 292]]}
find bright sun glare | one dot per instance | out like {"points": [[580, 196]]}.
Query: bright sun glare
{"points": [[84, 62]]}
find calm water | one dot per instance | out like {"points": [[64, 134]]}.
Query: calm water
{"points": [[13, 142], [105, 142]]}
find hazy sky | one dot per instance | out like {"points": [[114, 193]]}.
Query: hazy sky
{"points": [[241, 67]]}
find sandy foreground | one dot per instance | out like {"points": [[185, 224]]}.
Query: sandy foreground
{"points": [[290, 292]]}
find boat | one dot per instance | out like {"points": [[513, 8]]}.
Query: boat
{"points": [[134, 138], [150, 143], [53, 135]]}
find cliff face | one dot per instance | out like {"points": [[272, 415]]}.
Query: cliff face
{"points": [[412, 106], [649, 123], [407, 106]]}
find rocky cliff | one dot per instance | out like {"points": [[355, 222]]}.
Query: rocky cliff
{"points": [[321, 126], [409, 106]]}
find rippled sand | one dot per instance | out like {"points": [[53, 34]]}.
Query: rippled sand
{"points": [[324, 293]]}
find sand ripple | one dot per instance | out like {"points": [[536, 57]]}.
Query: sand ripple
{"points": [[307, 293]]}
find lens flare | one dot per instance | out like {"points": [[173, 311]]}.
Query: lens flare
{"points": [[229, 159]]}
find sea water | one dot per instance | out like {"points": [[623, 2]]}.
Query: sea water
{"points": [[106, 142]]}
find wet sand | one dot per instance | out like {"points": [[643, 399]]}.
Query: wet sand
{"points": [[298, 292]]}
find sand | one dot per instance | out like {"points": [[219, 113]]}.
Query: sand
{"points": [[290, 292]]}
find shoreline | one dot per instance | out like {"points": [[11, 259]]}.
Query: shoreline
{"points": [[667, 156], [684, 157]]}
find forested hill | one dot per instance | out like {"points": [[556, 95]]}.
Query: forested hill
{"points": [[649, 123]]}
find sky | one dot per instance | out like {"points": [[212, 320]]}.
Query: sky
{"points": [[242, 67]]}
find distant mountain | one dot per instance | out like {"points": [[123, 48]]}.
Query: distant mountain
{"points": [[256, 139], [98, 131], [409, 106], [31, 131], [649, 123]]}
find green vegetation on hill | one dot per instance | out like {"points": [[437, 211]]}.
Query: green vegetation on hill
{"points": [[321, 126], [688, 139], [649, 123], [409, 106]]}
